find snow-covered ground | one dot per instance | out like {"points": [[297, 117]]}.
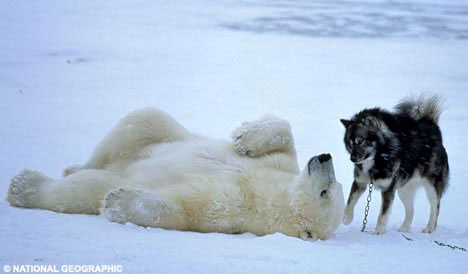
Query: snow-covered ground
{"points": [[70, 69]]}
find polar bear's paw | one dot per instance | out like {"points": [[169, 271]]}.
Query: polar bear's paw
{"points": [[72, 169], [241, 140], [249, 137], [128, 204], [140, 207], [24, 188], [259, 137], [116, 205]]}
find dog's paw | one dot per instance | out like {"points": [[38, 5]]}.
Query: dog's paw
{"points": [[404, 228], [24, 188], [72, 169], [348, 217], [428, 229], [379, 230]]}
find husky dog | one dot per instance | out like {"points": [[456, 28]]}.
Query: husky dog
{"points": [[149, 170], [398, 150]]}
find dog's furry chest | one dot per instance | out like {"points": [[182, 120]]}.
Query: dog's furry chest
{"points": [[380, 173]]}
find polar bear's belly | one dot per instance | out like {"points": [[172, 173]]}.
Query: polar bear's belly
{"points": [[185, 162]]}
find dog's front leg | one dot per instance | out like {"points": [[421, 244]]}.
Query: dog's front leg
{"points": [[358, 187], [356, 192], [388, 195]]}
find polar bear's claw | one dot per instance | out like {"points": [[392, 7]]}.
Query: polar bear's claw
{"points": [[72, 169]]}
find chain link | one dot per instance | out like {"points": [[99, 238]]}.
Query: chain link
{"points": [[451, 246], [366, 211]]}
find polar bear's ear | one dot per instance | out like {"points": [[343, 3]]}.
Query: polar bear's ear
{"points": [[346, 123]]}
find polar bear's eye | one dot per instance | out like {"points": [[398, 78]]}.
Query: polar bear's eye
{"points": [[324, 193]]}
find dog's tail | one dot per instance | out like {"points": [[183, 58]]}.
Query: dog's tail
{"points": [[423, 106]]}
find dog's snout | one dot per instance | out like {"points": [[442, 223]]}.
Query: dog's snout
{"points": [[324, 157], [353, 158]]}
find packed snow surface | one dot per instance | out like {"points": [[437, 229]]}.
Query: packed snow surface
{"points": [[70, 69]]}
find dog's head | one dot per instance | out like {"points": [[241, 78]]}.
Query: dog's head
{"points": [[362, 137]]}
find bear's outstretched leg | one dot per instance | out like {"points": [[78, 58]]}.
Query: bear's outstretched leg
{"points": [[133, 133], [81, 192], [141, 207], [26, 188], [269, 134]]}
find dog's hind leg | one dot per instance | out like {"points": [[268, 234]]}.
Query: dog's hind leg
{"points": [[406, 194], [133, 133], [434, 203]]}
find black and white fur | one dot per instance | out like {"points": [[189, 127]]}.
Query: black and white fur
{"points": [[398, 150]]}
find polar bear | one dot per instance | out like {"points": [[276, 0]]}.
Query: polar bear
{"points": [[149, 170]]}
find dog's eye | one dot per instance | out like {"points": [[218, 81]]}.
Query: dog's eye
{"points": [[359, 141]]}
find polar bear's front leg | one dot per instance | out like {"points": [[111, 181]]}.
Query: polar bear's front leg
{"points": [[264, 136], [141, 207]]}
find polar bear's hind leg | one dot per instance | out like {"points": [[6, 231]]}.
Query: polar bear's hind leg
{"points": [[25, 188], [81, 192], [133, 133]]}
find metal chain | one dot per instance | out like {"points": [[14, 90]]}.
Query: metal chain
{"points": [[454, 247], [366, 211], [451, 246]]}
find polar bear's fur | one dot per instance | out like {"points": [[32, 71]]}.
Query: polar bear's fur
{"points": [[151, 171]]}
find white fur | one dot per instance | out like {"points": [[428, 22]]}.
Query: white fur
{"points": [[407, 194], [150, 171], [383, 183], [367, 164]]}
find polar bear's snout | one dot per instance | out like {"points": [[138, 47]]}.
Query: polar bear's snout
{"points": [[320, 196], [324, 157], [320, 170], [321, 167]]}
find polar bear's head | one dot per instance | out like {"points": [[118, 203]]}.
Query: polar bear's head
{"points": [[318, 198]]}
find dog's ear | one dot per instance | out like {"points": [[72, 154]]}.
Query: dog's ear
{"points": [[346, 123], [374, 122], [371, 121]]}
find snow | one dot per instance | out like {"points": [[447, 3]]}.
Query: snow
{"points": [[70, 69]]}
